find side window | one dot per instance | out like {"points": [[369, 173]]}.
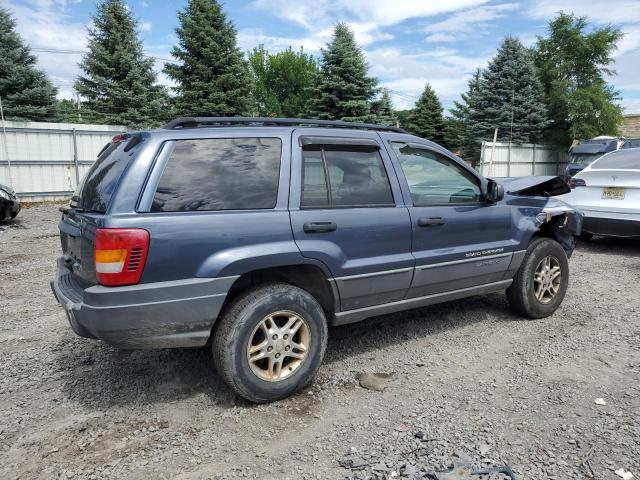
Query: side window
{"points": [[220, 174], [344, 177], [435, 179]]}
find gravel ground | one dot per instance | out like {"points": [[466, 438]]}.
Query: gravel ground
{"points": [[471, 385]]}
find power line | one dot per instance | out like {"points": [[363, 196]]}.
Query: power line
{"points": [[80, 52]]}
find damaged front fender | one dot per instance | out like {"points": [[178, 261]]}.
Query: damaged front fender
{"points": [[541, 214]]}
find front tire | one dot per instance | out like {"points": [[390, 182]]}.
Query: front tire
{"points": [[270, 342], [541, 282]]}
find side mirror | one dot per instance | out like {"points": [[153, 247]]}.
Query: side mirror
{"points": [[495, 191]]}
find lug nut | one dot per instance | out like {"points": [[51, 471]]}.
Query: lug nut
{"points": [[287, 348], [285, 336], [269, 349], [277, 355], [275, 337]]}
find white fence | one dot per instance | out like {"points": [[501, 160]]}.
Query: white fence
{"points": [[512, 160], [45, 161]]}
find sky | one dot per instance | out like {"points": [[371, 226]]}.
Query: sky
{"points": [[407, 42]]}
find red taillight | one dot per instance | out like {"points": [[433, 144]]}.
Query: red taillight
{"points": [[119, 137], [577, 182], [120, 255]]}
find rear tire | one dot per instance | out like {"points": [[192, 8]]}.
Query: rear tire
{"points": [[270, 342], [541, 282]]}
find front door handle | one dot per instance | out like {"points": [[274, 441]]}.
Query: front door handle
{"points": [[430, 221], [319, 227]]}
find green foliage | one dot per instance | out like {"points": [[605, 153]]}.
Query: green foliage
{"points": [[382, 108], [426, 119], [280, 81], [119, 85], [458, 135], [509, 98], [571, 65], [404, 117], [343, 91], [212, 75], [27, 94]]}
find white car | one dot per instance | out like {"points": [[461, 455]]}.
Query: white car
{"points": [[607, 192]]}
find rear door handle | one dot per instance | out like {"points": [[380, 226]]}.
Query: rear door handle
{"points": [[430, 221], [319, 227]]}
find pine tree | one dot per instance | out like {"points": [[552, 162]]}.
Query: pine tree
{"points": [[458, 136], [509, 98], [572, 65], [27, 94], [212, 75], [344, 91], [426, 119], [119, 84], [383, 109]]}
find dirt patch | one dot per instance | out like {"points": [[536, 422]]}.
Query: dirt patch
{"points": [[473, 385]]}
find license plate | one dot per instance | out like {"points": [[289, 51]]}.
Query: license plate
{"points": [[613, 193]]}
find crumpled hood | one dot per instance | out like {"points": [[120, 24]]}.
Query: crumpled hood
{"points": [[9, 190], [544, 186]]}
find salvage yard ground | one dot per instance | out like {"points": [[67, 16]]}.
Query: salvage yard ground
{"points": [[470, 381]]}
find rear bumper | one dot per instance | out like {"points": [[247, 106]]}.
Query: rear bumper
{"points": [[171, 314], [611, 227]]}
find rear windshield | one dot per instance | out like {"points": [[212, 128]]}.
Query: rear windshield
{"points": [[102, 179], [628, 159]]}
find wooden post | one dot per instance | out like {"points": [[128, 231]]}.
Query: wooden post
{"points": [[493, 148]]}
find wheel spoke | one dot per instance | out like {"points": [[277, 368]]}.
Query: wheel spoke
{"points": [[540, 292], [277, 371], [256, 348], [298, 346]]}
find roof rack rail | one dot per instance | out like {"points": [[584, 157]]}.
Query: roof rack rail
{"points": [[196, 122]]}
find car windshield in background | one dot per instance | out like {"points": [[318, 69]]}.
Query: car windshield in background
{"points": [[628, 159], [102, 178], [584, 158]]}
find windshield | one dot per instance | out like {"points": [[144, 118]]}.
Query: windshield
{"points": [[584, 158]]}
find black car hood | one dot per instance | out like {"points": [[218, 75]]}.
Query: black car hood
{"points": [[544, 186]]}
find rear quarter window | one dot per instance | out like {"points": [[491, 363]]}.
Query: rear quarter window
{"points": [[620, 160], [102, 178], [220, 174]]}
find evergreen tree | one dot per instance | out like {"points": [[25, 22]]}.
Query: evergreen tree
{"points": [[383, 109], [212, 75], [280, 81], [426, 119], [458, 136], [572, 66], [344, 91], [509, 98], [119, 85], [404, 117], [26, 92]]}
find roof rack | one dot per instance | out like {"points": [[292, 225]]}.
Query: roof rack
{"points": [[197, 122]]}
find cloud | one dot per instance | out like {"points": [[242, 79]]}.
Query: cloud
{"points": [[46, 24], [466, 24], [598, 11], [406, 74], [145, 26], [367, 18]]}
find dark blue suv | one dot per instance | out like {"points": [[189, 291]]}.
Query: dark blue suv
{"points": [[253, 235]]}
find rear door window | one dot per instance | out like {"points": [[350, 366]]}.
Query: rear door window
{"points": [[220, 174], [344, 177]]}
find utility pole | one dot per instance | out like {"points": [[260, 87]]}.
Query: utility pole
{"points": [[6, 146]]}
